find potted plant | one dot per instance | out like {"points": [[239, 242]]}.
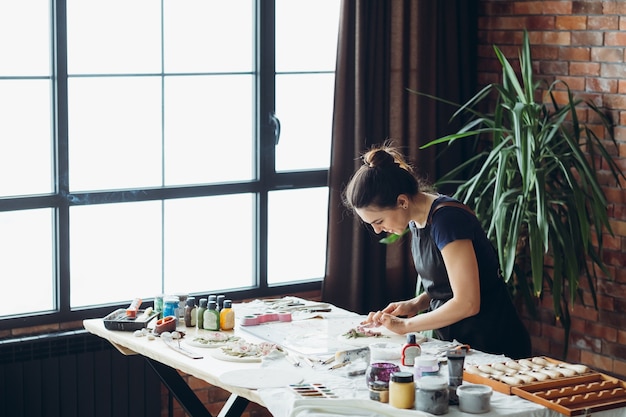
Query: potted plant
{"points": [[534, 185]]}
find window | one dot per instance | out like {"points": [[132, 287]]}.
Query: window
{"points": [[161, 147]]}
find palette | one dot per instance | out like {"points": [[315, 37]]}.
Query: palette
{"points": [[312, 391]]}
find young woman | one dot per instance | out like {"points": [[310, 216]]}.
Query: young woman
{"points": [[465, 297]]}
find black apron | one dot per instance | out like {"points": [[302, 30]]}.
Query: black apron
{"points": [[497, 328]]}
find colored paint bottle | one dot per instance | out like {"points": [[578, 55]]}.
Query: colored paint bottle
{"points": [[410, 350], [200, 313], [211, 317], [227, 316]]}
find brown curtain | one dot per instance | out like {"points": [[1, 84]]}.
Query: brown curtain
{"points": [[386, 48]]}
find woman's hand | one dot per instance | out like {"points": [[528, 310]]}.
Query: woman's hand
{"points": [[391, 322]]}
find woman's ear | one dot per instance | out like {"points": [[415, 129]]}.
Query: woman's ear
{"points": [[402, 201]]}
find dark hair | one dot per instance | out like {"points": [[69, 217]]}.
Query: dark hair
{"points": [[384, 175]]}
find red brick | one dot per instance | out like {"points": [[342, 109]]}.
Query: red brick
{"points": [[615, 39], [587, 38], [584, 68], [545, 52], [602, 22], [574, 53], [615, 101], [587, 7], [557, 38], [609, 70], [540, 22], [571, 23], [619, 368], [596, 361], [574, 83], [599, 54], [528, 7], [603, 85], [557, 7]]}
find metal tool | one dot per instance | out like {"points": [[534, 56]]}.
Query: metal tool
{"points": [[175, 344]]}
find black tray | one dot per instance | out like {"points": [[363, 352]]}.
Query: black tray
{"points": [[118, 320]]}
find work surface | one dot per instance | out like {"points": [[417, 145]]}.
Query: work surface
{"points": [[310, 338]]}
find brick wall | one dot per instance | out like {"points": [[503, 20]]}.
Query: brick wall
{"points": [[584, 44]]}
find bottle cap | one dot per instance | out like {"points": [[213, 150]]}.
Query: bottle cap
{"points": [[402, 377], [410, 338], [426, 361], [212, 305], [191, 301], [203, 302], [432, 383], [228, 304]]}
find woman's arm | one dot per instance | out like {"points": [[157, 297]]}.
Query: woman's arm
{"points": [[462, 267]]}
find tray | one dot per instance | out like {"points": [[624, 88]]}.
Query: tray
{"points": [[589, 393], [506, 388], [118, 320]]}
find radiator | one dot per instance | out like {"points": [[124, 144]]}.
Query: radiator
{"points": [[74, 374]]}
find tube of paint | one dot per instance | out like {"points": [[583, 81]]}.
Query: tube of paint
{"points": [[456, 361]]}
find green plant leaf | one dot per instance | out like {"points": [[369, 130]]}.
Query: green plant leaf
{"points": [[391, 238]]}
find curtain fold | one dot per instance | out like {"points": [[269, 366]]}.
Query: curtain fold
{"points": [[384, 49]]}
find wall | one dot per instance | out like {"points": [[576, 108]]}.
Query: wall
{"points": [[582, 43]]}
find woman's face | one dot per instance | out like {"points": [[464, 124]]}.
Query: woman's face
{"points": [[391, 220]]}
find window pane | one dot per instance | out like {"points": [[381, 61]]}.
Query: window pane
{"points": [[297, 242], [25, 38], [115, 252], [26, 261], [206, 119], [208, 36], [209, 244], [114, 132], [306, 35], [113, 36], [25, 142], [304, 105]]}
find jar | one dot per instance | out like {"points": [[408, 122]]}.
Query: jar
{"points": [[379, 391], [475, 398], [170, 306], [425, 366], [432, 395], [402, 390], [380, 371]]}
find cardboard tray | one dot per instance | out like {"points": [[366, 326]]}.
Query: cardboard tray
{"points": [[118, 320], [589, 393]]}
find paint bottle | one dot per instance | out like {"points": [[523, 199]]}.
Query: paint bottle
{"points": [[410, 350], [220, 302], [211, 317], [227, 316], [200, 313], [190, 312]]}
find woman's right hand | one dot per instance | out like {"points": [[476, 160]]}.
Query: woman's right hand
{"points": [[401, 309]]}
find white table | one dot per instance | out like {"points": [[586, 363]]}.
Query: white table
{"points": [[352, 392]]}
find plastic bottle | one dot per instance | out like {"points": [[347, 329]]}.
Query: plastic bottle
{"points": [[190, 312], [227, 316], [425, 365], [170, 306], [200, 313], [410, 350], [211, 317], [220, 302]]}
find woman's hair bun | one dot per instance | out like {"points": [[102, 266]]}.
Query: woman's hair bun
{"points": [[378, 158]]}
